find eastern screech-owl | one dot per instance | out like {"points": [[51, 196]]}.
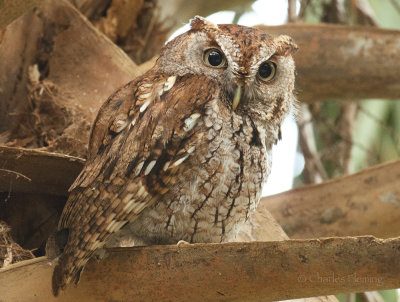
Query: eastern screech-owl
{"points": [[182, 152]]}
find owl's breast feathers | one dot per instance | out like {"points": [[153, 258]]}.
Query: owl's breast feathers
{"points": [[167, 147]]}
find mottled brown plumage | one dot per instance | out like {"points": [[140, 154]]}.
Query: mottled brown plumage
{"points": [[182, 152]]}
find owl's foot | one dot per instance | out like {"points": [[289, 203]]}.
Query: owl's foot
{"points": [[100, 254], [182, 242]]}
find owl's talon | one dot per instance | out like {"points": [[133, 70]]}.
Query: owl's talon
{"points": [[100, 254], [182, 242]]}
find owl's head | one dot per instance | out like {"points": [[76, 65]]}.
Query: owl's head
{"points": [[254, 70]]}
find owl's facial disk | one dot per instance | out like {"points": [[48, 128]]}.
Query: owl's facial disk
{"points": [[254, 71], [244, 60]]}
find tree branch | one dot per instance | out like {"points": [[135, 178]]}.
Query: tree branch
{"points": [[344, 62], [220, 272], [363, 203]]}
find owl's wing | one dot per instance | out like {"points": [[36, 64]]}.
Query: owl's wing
{"points": [[140, 138]]}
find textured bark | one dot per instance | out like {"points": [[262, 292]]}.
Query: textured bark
{"points": [[365, 203], [344, 62], [258, 271], [12, 9]]}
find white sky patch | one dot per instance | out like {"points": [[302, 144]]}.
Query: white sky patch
{"points": [[269, 12], [224, 17], [286, 163]]}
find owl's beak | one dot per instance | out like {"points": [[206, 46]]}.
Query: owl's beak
{"points": [[237, 97]]}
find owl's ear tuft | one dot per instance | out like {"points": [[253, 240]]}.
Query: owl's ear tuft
{"points": [[201, 23], [285, 46]]}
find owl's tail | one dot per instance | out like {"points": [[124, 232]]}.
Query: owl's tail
{"points": [[66, 270]]}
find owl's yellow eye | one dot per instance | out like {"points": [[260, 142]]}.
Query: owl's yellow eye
{"points": [[267, 71], [214, 58]]}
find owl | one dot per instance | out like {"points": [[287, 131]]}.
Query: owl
{"points": [[181, 152]]}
